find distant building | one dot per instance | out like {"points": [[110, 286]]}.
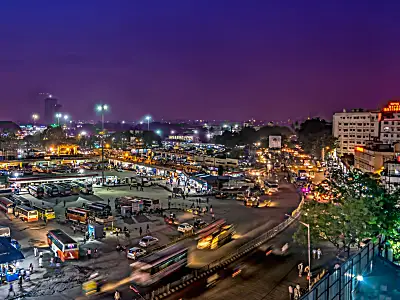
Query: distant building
{"points": [[51, 107], [371, 158]]}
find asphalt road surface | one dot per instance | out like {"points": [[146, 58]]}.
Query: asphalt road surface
{"points": [[262, 277]]}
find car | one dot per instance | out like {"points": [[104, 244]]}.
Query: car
{"points": [[135, 253], [147, 241], [185, 227], [199, 224]]}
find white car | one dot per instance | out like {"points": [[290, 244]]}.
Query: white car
{"points": [[135, 253], [185, 227], [147, 241]]}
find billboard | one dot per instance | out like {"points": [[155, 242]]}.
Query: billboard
{"points": [[275, 142]]}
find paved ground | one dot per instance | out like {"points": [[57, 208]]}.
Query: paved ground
{"points": [[66, 282]]}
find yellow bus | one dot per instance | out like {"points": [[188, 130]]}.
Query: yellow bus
{"points": [[45, 211], [26, 213]]}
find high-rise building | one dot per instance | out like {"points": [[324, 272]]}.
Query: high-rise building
{"points": [[51, 107], [355, 128]]}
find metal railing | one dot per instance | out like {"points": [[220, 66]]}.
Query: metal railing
{"points": [[341, 283]]}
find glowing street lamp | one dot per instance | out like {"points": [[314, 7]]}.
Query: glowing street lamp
{"points": [[172, 131], [148, 118], [195, 131], [58, 116], [83, 133], [35, 117], [158, 132]]}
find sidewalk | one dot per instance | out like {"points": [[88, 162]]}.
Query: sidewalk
{"points": [[328, 260]]}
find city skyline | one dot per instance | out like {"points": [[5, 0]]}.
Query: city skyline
{"points": [[199, 60]]}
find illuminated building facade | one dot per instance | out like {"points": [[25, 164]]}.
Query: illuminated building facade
{"points": [[372, 157], [354, 128]]}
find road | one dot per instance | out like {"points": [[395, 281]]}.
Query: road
{"points": [[262, 277]]}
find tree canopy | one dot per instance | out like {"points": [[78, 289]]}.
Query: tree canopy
{"points": [[314, 135], [362, 209], [249, 135]]}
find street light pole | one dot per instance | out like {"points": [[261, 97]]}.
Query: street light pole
{"points": [[309, 254], [101, 109], [148, 122], [309, 251]]}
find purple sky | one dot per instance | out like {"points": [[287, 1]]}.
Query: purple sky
{"points": [[198, 59]]}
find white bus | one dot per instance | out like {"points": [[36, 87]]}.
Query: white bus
{"points": [[158, 265]]}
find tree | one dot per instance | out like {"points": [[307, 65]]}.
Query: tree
{"points": [[362, 208], [315, 135], [342, 225]]}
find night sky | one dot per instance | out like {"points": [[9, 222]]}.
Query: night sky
{"points": [[198, 59]]}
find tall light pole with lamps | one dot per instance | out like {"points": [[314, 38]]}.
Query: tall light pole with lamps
{"points": [[309, 251], [65, 119], [102, 108], [148, 118], [35, 117], [58, 116]]}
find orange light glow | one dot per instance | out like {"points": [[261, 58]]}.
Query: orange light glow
{"points": [[359, 149], [392, 107]]}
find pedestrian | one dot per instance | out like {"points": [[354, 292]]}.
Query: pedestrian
{"points": [[290, 292], [296, 294], [31, 268], [314, 253], [40, 262], [117, 295], [307, 271], [74, 228], [10, 289], [35, 251], [298, 290], [140, 231], [213, 217], [108, 201], [89, 253], [300, 268], [64, 203], [45, 220], [319, 253], [51, 261], [148, 228]]}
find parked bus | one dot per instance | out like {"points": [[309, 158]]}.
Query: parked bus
{"points": [[6, 205], [50, 190], [26, 213], [45, 212], [75, 189], [98, 209], [63, 245], [63, 190], [36, 191], [75, 214], [86, 187], [6, 192], [151, 205], [158, 265], [216, 238]]}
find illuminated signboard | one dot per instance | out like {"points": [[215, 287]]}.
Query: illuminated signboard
{"points": [[359, 149], [392, 107]]}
